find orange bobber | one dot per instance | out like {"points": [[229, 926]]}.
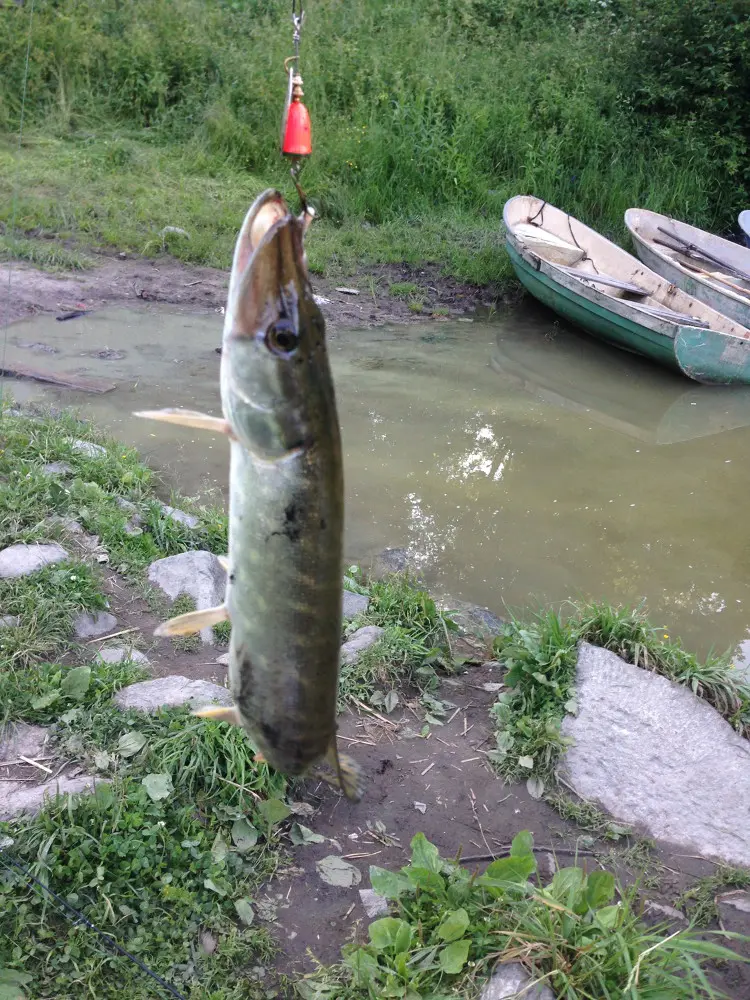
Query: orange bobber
{"points": [[297, 132]]}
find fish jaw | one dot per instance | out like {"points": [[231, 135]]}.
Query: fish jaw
{"points": [[275, 377]]}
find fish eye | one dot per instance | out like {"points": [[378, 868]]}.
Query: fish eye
{"points": [[282, 338]]}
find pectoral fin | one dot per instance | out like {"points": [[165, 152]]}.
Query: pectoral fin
{"points": [[187, 418], [193, 622], [219, 713]]}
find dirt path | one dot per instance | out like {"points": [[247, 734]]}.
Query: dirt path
{"points": [[132, 281]]}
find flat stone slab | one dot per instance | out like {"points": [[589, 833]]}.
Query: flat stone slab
{"points": [[88, 448], [354, 604], [373, 904], [189, 520], [512, 980], [655, 756], [22, 560], [170, 692], [90, 626], [10, 621], [362, 639], [18, 797], [122, 654], [20, 739], [198, 574], [57, 469]]}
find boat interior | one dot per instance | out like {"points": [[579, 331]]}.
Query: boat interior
{"points": [[581, 252]]}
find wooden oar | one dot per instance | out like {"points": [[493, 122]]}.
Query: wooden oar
{"points": [[605, 279], [669, 314], [738, 272], [718, 277]]}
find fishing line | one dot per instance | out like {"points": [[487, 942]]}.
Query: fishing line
{"points": [[14, 210], [8, 861]]}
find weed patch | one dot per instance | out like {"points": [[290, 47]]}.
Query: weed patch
{"points": [[699, 901], [449, 926], [541, 657]]}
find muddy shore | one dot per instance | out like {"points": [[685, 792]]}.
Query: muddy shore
{"points": [[128, 280]]}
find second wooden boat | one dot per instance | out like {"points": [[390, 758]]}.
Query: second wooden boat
{"points": [[712, 269], [615, 297]]}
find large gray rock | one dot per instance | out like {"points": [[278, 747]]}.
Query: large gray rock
{"points": [[473, 618], [10, 621], [391, 561], [197, 574], [362, 639], [22, 560], [91, 625], [170, 692], [19, 738], [57, 469], [122, 654], [354, 604], [18, 797], [512, 980], [653, 755]]}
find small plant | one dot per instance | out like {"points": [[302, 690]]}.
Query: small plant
{"points": [[403, 289], [449, 927], [699, 901]]}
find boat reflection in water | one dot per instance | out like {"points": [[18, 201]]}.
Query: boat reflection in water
{"points": [[616, 390]]}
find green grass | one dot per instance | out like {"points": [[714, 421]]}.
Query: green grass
{"points": [[699, 901], [541, 654], [170, 118], [579, 934]]}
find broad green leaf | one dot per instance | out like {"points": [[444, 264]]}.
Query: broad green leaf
{"points": [[245, 911], [535, 786], [244, 836], [70, 716], [424, 854], [566, 885], [76, 683], [453, 957], [390, 934], [364, 966], [607, 916], [102, 760], [387, 884], [209, 883], [511, 869], [45, 700], [391, 701], [219, 850], [300, 834], [571, 706], [600, 889], [335, 871], [527, 762], [274, 811], [130, 743], [426, 880], [453, 925], [104, 795], [158, 786], [522, 844]]}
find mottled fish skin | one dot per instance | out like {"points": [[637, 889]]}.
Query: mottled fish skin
{"points": [[286, 504]]}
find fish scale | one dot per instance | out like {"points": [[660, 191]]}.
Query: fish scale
{"points": [[286, 504]]}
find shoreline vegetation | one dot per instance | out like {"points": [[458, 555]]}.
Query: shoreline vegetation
{"points": [[184, 827], [427, 116]]}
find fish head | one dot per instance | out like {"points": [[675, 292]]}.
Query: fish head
{"points": [[275, 378]]}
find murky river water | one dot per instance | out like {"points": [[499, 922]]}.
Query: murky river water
{"points": [[515, 460]]}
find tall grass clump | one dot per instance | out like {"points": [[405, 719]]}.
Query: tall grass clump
{"points": [[427, 116]]}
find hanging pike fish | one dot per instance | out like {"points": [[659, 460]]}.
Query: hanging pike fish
{"points": [[286, 503]]}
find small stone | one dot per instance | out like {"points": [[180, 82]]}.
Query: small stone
{"points": [[473, 618], [170, 692], [348, 291], [737, 900], [68, 524], [391, 561], [122, 654], [320, 300], [223, 660], [546, 864], [189, 520], [18, 798], [493, 665], [492, 687], [127, 505], [91, 625], [88, 448], [421, 807], [198, 574], [373, 904], [354, 604], [660, 912], [511, 980], [22, 560], [362, 639], [133, 529], [57, 469], [10, 621], [19, 738]]}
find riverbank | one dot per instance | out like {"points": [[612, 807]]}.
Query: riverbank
{"points": [[226, 851]]}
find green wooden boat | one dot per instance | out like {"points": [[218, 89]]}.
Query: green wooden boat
{"points": [[614, 297]]}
